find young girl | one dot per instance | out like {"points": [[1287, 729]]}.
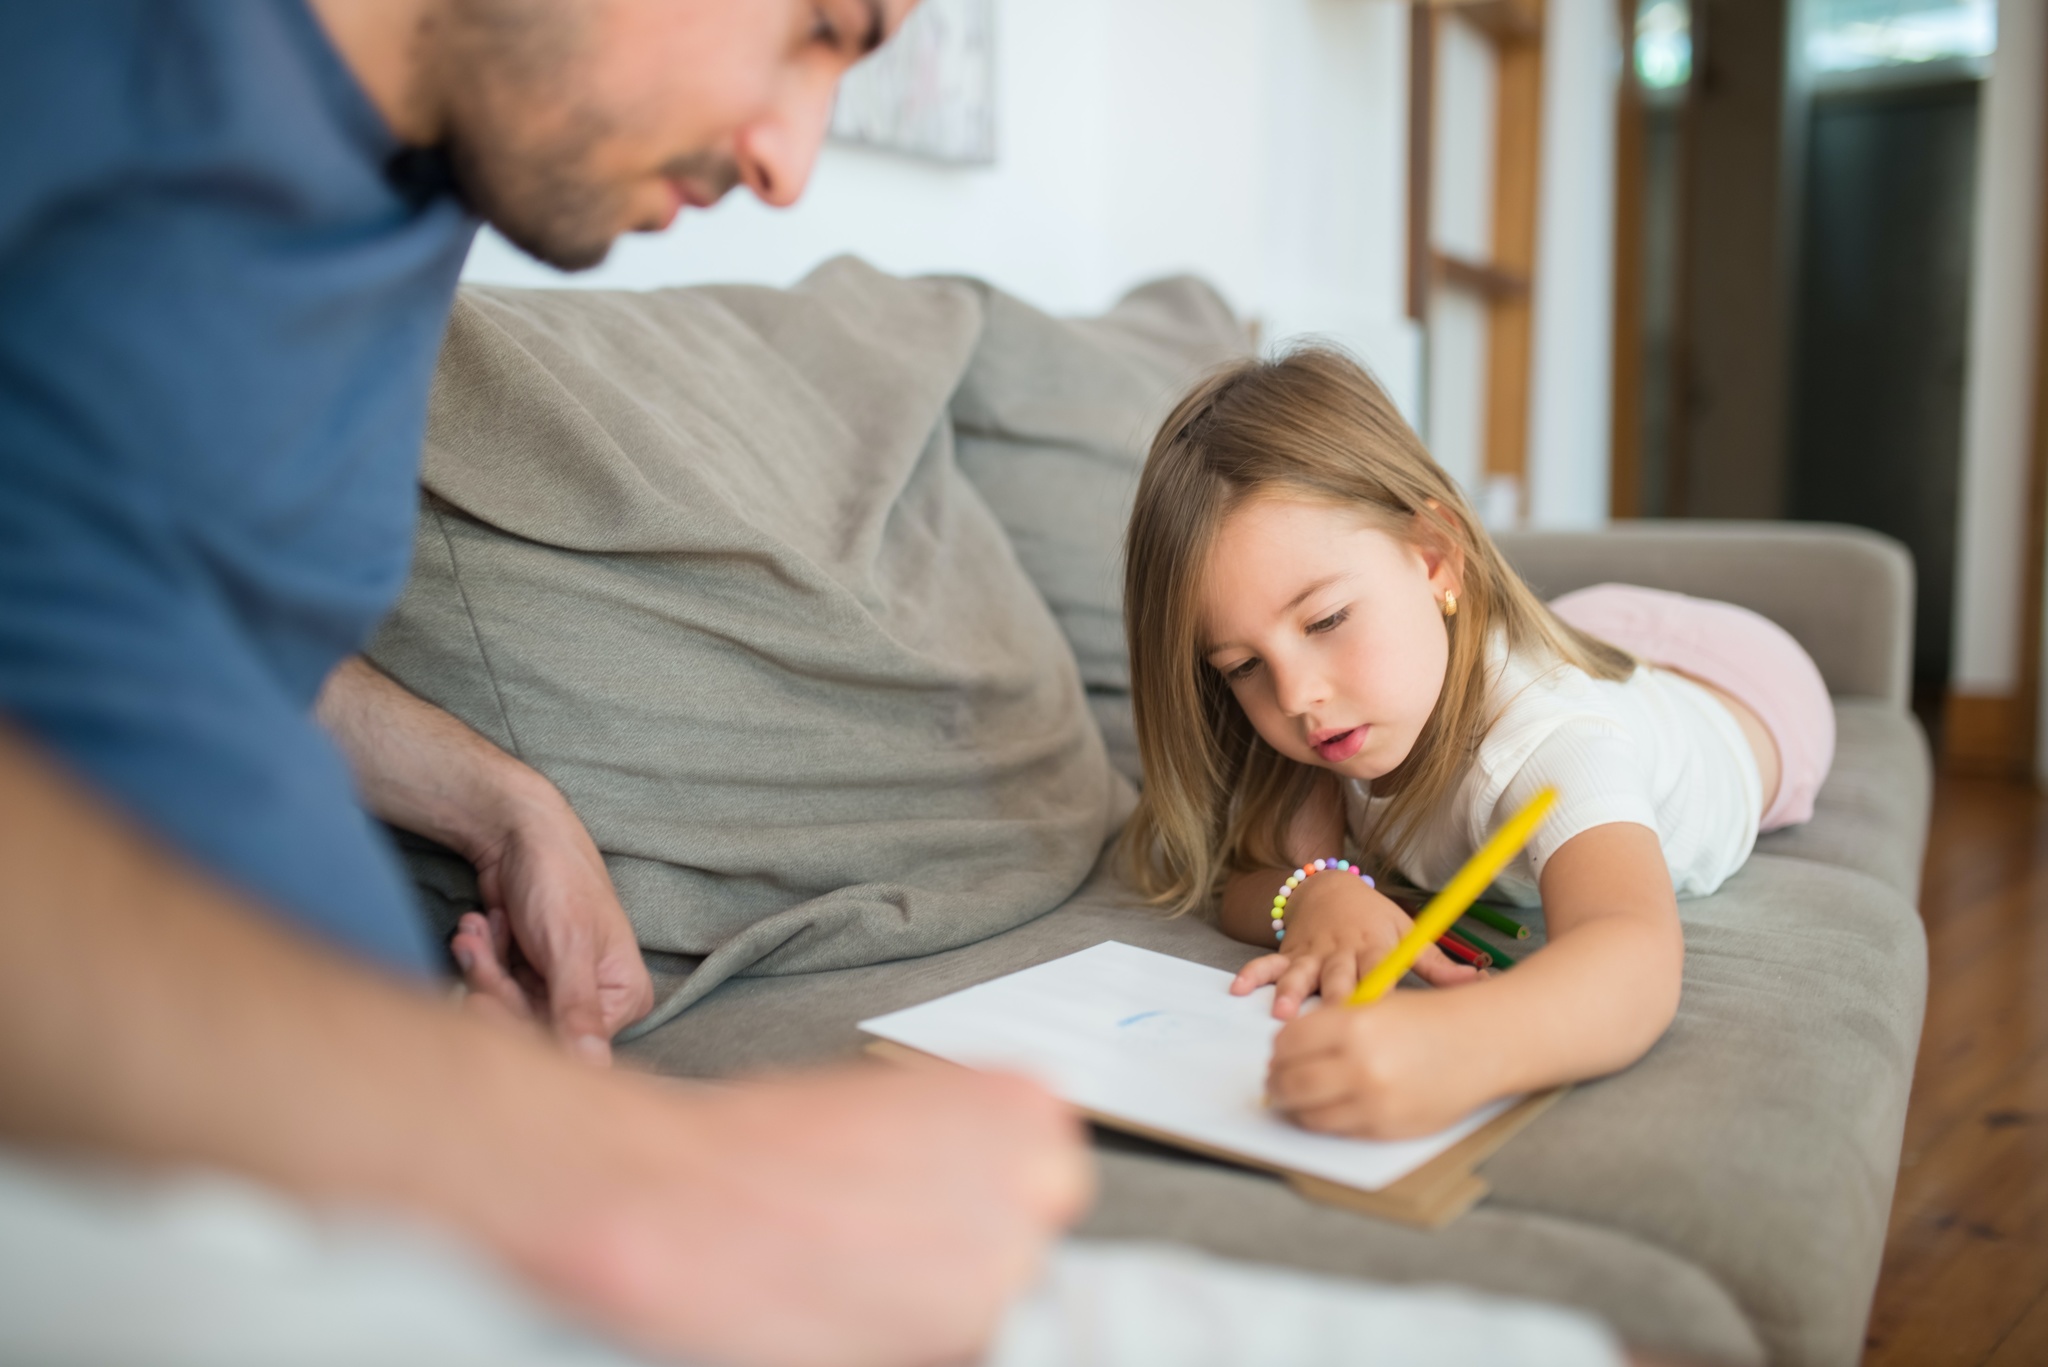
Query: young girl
{"points": [[1325, 644]]}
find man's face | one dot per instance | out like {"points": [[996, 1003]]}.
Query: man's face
{"points": [[572, 121]]}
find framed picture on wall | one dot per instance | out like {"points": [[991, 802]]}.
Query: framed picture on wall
{"points": [[930, 91]]}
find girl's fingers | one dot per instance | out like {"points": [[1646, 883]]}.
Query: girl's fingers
{"points": [[1315, 1082], [1439, 969], [1265, 969], [1296, 985], [1318, 1033], [1340, 976], [1345, 1116]]}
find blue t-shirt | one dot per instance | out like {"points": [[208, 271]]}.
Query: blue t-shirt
{"points": [[222, 288]]}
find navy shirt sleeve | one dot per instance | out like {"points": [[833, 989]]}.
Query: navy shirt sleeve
{"points": [[117, 651], [218, 324]]}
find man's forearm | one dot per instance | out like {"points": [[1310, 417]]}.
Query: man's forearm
{"points": [[146, 1013], [422, 769], [537, 867]]}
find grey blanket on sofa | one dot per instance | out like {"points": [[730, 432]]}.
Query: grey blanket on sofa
{"points": [[707, 559]]}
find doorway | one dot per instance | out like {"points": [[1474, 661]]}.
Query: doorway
{"points": [[1882, 331], [1794, 238]]}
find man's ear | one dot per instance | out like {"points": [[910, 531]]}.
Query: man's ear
{"points": [[1434, 532]]}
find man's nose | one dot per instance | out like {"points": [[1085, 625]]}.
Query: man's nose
{"points": [[777, 152]]}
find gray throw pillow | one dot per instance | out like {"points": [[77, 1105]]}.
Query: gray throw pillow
{"points": [[706, 558], [1053, 420]]}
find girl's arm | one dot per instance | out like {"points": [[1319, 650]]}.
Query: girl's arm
{"points": [[1317, 832], [1590, 1002], [1337, 927]]}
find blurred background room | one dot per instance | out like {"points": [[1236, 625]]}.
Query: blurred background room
{"points": [[1615, 258], [1684, 259]]}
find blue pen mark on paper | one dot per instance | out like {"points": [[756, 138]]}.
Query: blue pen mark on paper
{"points": [[1133, 1020]]}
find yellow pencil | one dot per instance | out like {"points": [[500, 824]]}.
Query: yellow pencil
{"points": [[1460, 893]]}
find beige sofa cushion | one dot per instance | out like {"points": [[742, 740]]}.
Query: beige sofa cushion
{"points": [[1724, 1200], [706, 558]]}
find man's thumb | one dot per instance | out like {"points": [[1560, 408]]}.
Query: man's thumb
{"points": [[578, 1013]]}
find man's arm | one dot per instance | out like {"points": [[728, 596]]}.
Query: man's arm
{"points": [[555, 943], [859, 1216]]}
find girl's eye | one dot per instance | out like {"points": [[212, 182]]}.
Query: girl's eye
{"points": [[1240, 672], [1330, 623]]}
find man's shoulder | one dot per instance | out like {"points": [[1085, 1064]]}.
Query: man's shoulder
{"points": [[104, 94], [66, 76]]}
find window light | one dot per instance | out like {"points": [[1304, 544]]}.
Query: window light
{"points": [[1664, 43], [1860, 35]]}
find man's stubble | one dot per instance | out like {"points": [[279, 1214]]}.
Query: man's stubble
{"points": [[519, 84]]}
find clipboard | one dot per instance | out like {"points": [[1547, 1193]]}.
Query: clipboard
{"points": [[1429, 1197]]}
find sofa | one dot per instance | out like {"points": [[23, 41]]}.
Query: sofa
{"points": [[1725, 1200]]}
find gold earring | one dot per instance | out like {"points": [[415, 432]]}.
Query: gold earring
{"points": [[1450, 605]]}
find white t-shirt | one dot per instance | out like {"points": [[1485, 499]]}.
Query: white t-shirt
{"points": [[1655, 749]]}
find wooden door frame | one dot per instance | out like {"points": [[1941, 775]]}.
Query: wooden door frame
{"points": [[1504, 283], [1625, 439], [2000, 735]]}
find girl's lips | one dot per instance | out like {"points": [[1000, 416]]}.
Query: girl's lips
{"points": [[1343, 745]]}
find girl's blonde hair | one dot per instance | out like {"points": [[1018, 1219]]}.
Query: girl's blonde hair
{"points": [[1310, 424]]}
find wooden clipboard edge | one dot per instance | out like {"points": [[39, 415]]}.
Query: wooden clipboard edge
{"points": [[1445, 1204], [1430, 1197], [902, 1053], [1446, 1186]]}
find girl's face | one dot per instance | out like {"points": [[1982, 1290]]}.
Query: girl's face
{"points": [[1329, 631]]}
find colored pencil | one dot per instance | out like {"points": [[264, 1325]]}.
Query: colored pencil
{"points": [[1494, 920], [1461, 892], [1463, 950], [1501, 959]]}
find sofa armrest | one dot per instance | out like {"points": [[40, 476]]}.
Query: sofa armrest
{"points": [[1844, 593]]}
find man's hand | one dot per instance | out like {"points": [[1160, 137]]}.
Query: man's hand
{"points": [[860, 1216], [1337, 929], [866, 1215], [554, 945]]}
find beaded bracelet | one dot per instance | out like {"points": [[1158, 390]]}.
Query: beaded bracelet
{"points": [[1302, 875]]}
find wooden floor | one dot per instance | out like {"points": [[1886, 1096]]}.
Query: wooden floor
{"points": [[1965, 1277]]}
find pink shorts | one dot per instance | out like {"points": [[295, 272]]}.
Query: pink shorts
{"points": [[1748, 656]]}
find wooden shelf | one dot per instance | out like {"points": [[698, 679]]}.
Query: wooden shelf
{"points": [[1479, 277], [1504, 21], [1502, 281]]}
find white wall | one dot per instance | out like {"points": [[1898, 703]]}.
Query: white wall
{"points": [[1335, 181], [1998, 395], [1571, 379], [1259, 143], [1572, 350], [1037, 222], [1465, 99]]}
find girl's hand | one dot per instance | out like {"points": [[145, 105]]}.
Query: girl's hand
{"points": [[1377, 1072], [1337, 929]]}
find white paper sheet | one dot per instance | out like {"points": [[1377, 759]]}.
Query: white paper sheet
{"points": [[1156, 1041]]}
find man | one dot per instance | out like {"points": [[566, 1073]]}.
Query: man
{"points": [[229, 236]]}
